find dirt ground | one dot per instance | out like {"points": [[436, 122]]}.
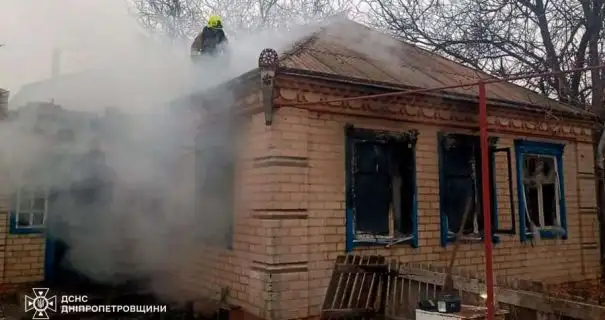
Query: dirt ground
{"points": [[588, 290]]}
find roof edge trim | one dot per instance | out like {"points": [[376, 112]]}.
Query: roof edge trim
{"points": [[459, 97]]}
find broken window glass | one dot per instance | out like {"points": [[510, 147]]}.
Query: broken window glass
{"points": [[461, 187], [372, 192], [382, 188], [531, 195], [461, 190], [549, 204], [540, 181]]}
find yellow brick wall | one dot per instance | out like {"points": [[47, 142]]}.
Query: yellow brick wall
{"points": [[322, 193], [21, 256], [267, 270], [290, 219], [211, 268]]}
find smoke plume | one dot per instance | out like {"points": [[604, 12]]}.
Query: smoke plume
{"points": [[113, 151]]}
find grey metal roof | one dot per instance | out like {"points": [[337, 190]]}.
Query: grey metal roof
{"points": [[349, 49]]}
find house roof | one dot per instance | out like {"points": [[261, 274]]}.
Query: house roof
{"points": [[93, 90], [68, 91], [348, 50]]}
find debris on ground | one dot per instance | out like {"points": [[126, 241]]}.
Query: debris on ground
{"points": [[592, 290]]}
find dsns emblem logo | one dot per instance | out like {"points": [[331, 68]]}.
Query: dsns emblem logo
{"points": [[40, 303]]}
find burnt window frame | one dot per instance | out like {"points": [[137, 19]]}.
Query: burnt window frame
{"points": [[353, 135], [445, 237], [527, 147]]}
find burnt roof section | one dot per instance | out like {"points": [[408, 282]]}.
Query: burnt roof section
{"points": [[349, 50]]}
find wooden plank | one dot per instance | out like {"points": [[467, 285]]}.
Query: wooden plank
{"points": [[358, 268], [346, 291], [333, 285], [525, 299], [354, 287], [361, 290], [374, 283], [384, 287], [342, 278]]}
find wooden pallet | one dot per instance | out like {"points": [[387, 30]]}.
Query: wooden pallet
{"points": [[357, 289]]}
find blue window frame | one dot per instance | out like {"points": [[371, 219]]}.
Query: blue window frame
{"points": [[540, 188], [381, 192], [460, 187], [29, 211]]}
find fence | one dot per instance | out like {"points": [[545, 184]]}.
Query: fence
{"points": [[372, 286]]}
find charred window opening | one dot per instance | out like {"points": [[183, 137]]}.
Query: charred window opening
{"points": [[461, 187], [381, 187], [541, 198]]}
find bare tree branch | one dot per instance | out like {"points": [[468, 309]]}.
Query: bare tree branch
{"points": [[184, 18], [506, 37]]}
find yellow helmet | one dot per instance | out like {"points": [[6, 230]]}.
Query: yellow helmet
{"points": [[215, 22]]}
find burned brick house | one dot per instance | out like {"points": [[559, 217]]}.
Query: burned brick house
{"points": [[314, 177], [289, 177]]}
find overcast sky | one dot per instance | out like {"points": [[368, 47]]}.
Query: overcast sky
{"points": [[131, 70], [30, 29]]}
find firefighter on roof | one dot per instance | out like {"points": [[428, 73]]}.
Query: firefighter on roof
{"points": [[210, 40]]}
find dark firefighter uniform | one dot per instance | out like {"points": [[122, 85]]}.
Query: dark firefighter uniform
{"points": [[209, 40]]}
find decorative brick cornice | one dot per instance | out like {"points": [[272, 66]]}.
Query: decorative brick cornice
{"points": [[432, 111]]}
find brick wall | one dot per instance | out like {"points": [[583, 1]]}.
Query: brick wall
{"points": [[267, 270], [212, 268], [318, 139], [290, 220], [21, 257]]}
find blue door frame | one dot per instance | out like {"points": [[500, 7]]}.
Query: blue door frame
{"points": [[49, 258]]}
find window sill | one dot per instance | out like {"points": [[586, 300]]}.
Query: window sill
{"points": [[548, 234], [13, 229], [16, 230], [473, 238], [386, 242]]}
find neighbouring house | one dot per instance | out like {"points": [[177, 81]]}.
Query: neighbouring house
{"points": [[314, 178], [69, 90], [34, 186], [57, 178]]}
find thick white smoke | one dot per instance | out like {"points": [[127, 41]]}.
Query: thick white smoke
{"points": [[150, 227]]}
